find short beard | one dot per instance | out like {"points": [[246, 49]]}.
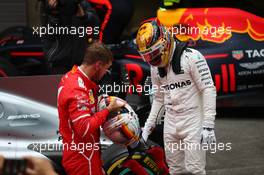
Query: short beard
{"points": [[95, 78]]}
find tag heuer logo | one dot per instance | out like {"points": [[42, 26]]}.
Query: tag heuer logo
{"points": [[238, 54]]}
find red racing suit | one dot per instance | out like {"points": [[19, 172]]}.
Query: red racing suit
{"points": [[79, 124]]}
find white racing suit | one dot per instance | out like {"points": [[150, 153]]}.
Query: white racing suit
{"points": [[189, 99]]}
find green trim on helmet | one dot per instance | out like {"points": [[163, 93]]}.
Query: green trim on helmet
{"points": [[162, 9], [168, 3]]}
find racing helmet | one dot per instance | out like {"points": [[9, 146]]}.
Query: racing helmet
{"points": [[122, 127], [154, 43]]}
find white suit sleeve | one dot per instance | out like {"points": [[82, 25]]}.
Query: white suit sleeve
{"points": [[202, 76], [158, 98]]}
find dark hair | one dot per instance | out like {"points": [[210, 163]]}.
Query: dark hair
{"points": [[97, 52]]}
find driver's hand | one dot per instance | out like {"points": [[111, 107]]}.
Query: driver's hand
{"points": [[208, 136], [115, 105], [53, 3]]}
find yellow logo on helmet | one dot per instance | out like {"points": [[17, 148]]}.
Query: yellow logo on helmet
{"points": [[144, 36]]}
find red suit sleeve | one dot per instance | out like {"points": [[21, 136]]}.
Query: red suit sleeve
{"points": [[81, 107]]}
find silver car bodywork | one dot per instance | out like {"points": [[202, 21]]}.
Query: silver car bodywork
{"points": [[28, 128]]}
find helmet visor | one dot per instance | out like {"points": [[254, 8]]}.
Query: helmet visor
{"points": [[153, 54]]}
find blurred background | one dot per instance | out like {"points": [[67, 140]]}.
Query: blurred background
{"points": [[26, 12]]}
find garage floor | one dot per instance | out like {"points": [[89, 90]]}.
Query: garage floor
{"points": [[247, 154]]}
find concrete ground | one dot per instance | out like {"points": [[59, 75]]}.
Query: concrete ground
{"points": [[246, 135]]}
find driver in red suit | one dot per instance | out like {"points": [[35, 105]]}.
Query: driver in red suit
{"points": [[79, 119]]}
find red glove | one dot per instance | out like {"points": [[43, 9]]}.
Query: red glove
{"points": [[158, 155]]}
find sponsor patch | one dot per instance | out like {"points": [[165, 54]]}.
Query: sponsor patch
{"points": [[255, 53], [82, 105], [251, 66], [82, 102], [81, 83], [238, 54], [91, 97], [177, 85]]}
